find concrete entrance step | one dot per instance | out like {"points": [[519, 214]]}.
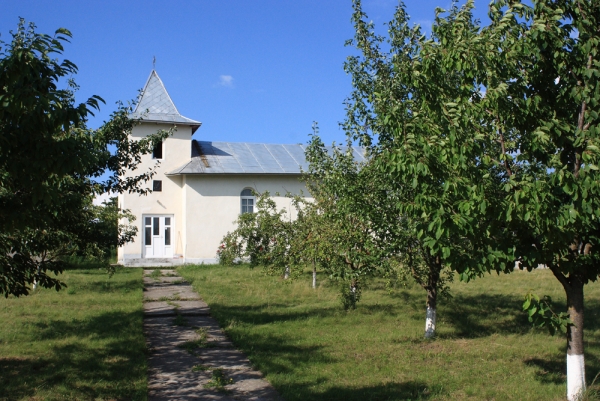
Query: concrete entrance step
{"points": [[150, 262]]}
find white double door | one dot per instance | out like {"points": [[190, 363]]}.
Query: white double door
{"points": [[158, 236]]}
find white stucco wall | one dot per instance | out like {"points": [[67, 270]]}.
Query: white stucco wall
{"points": [[204, 207], [176, 151], [213, 205]]}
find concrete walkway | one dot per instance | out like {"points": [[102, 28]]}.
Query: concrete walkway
{"points": [[190, 358]]}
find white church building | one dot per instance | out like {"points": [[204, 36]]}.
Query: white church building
{"points": [[200, 186]]}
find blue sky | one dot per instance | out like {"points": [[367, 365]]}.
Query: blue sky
{"points": [[249, 70]]}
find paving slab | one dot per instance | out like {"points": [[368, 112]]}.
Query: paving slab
{"points": [[164, 272], [250, 385], [228, 358], [171, 292], [213, 331], [163, 332], [163, 280], [173, 308], [170, 326]]}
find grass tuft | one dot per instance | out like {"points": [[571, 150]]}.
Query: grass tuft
{"points": [[200, 368], [156, 273], [219, 380], [200, 342], [180, 320]]}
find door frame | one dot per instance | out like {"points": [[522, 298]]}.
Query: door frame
{"points": [[167, 249]]}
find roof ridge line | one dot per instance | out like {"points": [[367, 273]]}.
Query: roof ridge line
{"points": [[166, 91]]}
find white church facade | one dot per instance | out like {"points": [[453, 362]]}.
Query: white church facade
{"points": [[200, 186]]}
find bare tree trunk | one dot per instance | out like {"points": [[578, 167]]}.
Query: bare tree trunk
{"points": [[314, 282], [432, 287]]}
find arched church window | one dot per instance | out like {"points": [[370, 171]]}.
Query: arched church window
{"points": [[247, 201]]}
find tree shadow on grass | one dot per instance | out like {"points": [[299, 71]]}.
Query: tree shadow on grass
{"points": [[482, 315], [81, 368], [486, 314], [105, 326], [108, 286], [407, 391], [552, 368], [260, 314], [276, 355], [272, 354]]}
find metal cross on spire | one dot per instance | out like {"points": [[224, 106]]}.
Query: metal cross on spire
{"points": [[154, 62]]}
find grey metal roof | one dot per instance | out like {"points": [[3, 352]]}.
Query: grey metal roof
{"points": [[155, 105], [248, 158]]}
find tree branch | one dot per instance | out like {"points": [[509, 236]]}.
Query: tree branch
{"points": [[506, 166], [581, 127], [560, 277]]}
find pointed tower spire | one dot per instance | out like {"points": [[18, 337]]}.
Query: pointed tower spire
{"points": [[155, 105]]}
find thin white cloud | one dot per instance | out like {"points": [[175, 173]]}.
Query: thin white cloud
{"points": [[226, 81]]}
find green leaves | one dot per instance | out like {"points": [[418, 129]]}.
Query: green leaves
{"points": [[489, 137], [49, 161], [540, 314]]}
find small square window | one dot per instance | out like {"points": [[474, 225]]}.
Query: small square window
{"points": [[157, 185], [157, 152]]}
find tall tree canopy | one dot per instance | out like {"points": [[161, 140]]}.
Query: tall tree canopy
{"points": [[50, 162], [491, 136]]}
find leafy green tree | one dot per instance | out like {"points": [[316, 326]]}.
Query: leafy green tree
{"points": [[343, 239], [106, 230], [358, 216], [399, 112], [50, 162], [495, 132], [552, 152], [262, 238]]}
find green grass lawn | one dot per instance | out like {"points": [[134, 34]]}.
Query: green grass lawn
{"points": [[82, 343], [310, 349]]}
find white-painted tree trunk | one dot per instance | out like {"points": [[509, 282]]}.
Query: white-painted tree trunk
{"points": [[35, 282], [314, 282], [286, 275], [430, 322], [575, 377], [575, 348]]}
